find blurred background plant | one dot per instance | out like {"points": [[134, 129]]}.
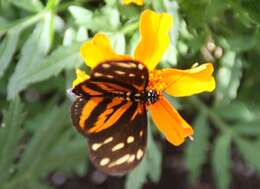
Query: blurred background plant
{"points": [[39, 51]]}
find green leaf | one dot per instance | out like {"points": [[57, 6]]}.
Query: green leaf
{"points": [[21, 23], [221, 161], [228, 77], [118, 42], [150, 166], [250, 151], [53, 122], [45, 152], [60, 59], [196, 151], [248, 128], [170, 55], [28, 5], [154, 157], [235, 110], [7, 49], [10, 134], [32, 54], [105, 19], [81, 15]]}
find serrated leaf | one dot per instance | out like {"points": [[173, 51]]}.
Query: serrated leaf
{"points": [[250, 151], [32, 54], [228, 77], [150, 166], [28, 5], [105, 19], [60, 59], [7, 49], [10, 133], [81, 15], [196, 151], [221, 162]]}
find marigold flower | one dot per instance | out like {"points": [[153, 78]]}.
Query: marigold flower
{"points": [[154, 31], [137, 2]]}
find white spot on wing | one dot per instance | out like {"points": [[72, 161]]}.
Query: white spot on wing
{"points": [[131, 158], [96, 146], [140, 66], [106, 65], [120, 161], [130, 139], [120, 72], [118, 146], [108, 140], [125, 65], [110, 76], [104, 161], [97, 74], [139, 154]]}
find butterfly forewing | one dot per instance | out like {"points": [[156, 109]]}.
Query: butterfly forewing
{"points": [[114, 76], [115, 127]]}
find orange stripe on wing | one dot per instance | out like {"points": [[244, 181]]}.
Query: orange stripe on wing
{"points": [[117, 87], [90, 91], [113, 118], [87, 109], [137, 111]]}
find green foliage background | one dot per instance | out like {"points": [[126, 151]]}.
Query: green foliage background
{"points": [[39, 51]]}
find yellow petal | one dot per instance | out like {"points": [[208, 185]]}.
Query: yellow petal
{"points": [[169, 122], [137, 2], [81, 76], [154, 31], [98, 50], [188, 82]]}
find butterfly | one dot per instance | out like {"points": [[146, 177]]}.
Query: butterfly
{"points": [[111, 112]]}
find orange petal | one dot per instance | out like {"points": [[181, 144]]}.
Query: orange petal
{"points": [[98, 50], [169, 122], [154, 30], [81, 76], [189, 82], [137, 2]]}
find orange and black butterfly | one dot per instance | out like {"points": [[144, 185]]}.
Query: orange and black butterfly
{"points": [[110, 110]]}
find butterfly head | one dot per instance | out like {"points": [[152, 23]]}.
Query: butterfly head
{"points": [[152, 96]]}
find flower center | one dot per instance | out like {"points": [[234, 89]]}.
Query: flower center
{"points": [[156, 81]]}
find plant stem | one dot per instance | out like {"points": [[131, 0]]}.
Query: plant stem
{"points": [[65, 6], [130, 27]]}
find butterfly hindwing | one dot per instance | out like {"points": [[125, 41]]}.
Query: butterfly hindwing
{"points": [[120, 148]]}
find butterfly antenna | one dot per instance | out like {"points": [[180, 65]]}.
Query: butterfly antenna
{"points": [[171, 83]]}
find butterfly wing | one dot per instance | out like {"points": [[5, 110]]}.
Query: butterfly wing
{"points": [[116, 128], [120, 147], [114, 76]]}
